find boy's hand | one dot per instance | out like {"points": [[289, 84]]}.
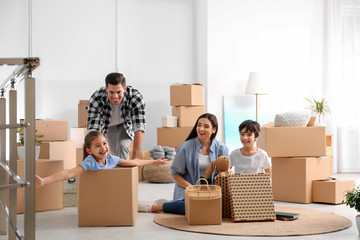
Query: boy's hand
{"points": [[230, 171], [39, 182], [159, 162]]}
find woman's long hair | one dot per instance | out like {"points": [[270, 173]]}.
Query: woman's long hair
{"points": [[214, 123]]}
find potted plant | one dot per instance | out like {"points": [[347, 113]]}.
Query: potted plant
{"points": [[319, 108], [21, 148], [352, 199]]}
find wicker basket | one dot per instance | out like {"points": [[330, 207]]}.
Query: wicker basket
{"points": [[203, 191]]}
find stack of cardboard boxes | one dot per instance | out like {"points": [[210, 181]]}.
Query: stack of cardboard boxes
{"points": [[56, 153], [187, 101], [298, 158]]}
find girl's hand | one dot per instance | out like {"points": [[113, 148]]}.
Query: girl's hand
{"points": [[39, 182], [159, 162]]}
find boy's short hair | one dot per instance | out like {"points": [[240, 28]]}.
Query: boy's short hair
{"points": [[251, 126]]}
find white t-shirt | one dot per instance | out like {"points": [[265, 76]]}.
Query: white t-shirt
{"points": [[204, 161], [116, 118], [256, 163]]}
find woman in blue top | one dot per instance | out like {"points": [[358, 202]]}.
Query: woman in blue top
{"points": [[191, 160], [97, 149]]}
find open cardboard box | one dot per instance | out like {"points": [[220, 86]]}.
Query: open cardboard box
{"points": [[108, 197], [292, 141]]}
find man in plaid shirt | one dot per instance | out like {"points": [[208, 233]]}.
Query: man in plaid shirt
{"points": [[119, 112]]}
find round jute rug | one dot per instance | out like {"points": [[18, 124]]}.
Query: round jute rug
{"points": [[309, 222]]}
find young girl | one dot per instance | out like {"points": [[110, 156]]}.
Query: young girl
{"points": [[249, 158], [96, 146], [191, 160]]}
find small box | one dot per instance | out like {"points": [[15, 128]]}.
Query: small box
{"points": [[108, 197], [64, 150], [331, 190], [187, 116], [53, 130], [78, 135], [186, 94], [145, 155], [49, 197], [292, 141], [169, 121], [172, 137], [292, 177], [82, 113]]}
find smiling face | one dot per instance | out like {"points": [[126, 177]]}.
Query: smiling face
{"points": [[99, 148], [115, 93], [204, 129], [247, 138]]}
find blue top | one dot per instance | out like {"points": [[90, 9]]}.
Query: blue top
{"points": [[91, 164], [186, 162]]}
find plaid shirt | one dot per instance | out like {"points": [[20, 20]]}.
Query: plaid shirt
{"points": [[132, 111]]}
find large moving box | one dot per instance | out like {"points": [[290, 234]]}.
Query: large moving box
{"points": [[331, 190], [292, 177], [292, 141], [187, 116], [64, 150], [49, 197], [172, 137], [108, 197], [186, 94], [53, 130]]}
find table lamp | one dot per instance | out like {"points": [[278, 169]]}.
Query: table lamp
{"points": [[254, 87]]}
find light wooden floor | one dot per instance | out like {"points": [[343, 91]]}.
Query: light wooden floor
{"points": [[62, 224]]}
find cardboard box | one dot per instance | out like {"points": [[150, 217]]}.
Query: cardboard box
{"points": [[79, 156], [292, 141], [331, 190], [65, 150], [187, 116], [49, 197], [108, 197], [53, 130], [169, 121], [329, 140], [82, 113], [203, 212], [186, 94], [78, 135], [145, 155], [292, 177], [172, 137]]}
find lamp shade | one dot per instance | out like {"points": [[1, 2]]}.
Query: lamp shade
{"points": [[254, 85]]}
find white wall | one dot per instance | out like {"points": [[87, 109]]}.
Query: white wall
{"points": [[159, 42], [76, 41], [280, 39]]}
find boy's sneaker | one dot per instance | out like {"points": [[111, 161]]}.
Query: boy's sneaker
{"points": [[144, 207], [161, 201]]}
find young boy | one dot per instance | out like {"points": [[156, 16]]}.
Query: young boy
{"points": [[249, 158]]}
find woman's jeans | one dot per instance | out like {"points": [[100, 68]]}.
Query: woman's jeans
{"points": [[176, 206]]}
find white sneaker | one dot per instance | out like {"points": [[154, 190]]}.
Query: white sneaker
{"points": [[144, 207], [161, 201]]}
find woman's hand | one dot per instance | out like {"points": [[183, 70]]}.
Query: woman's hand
{"points": [[39, 182], [159, 162]]}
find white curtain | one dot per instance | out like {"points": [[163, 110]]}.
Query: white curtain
{"points": [[342, 80]]}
